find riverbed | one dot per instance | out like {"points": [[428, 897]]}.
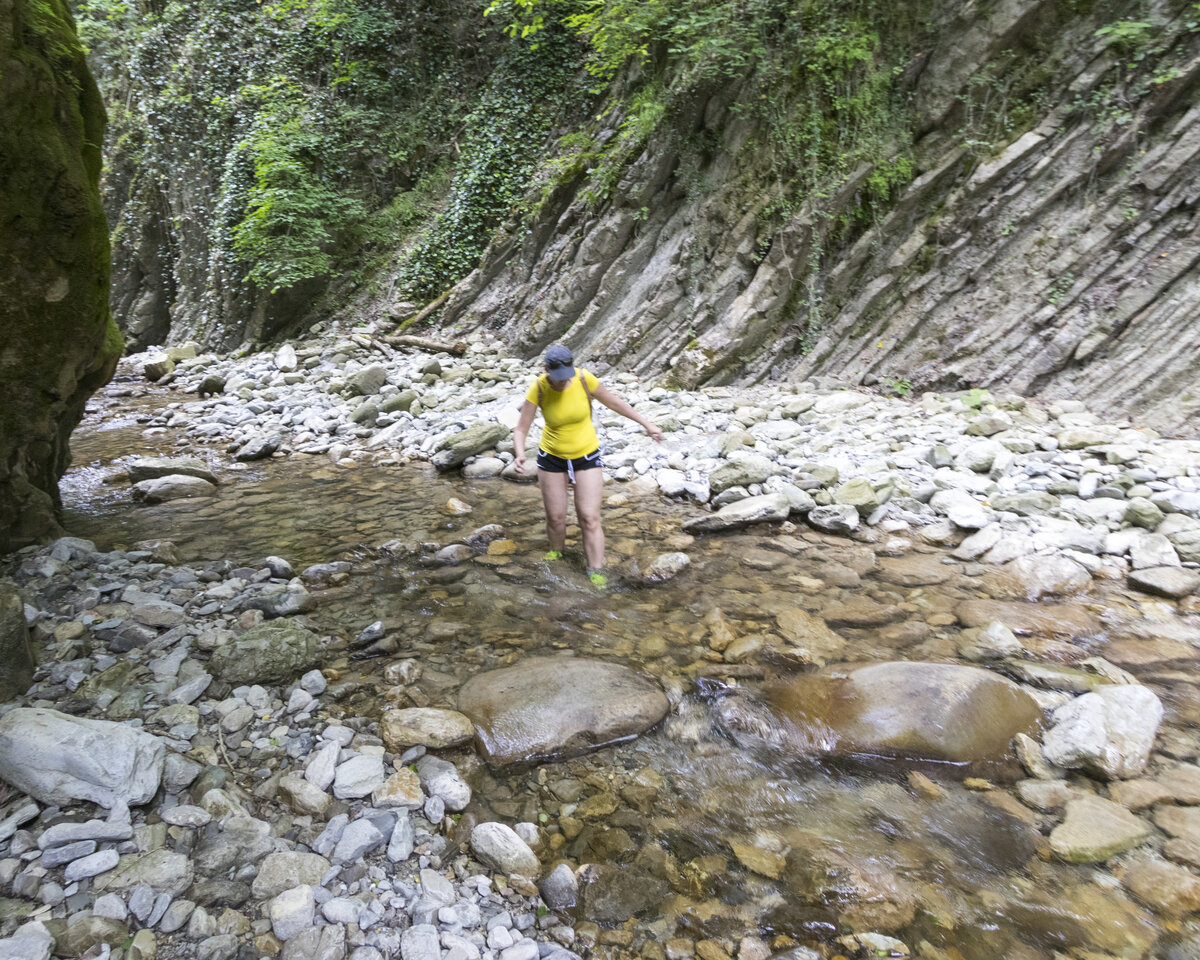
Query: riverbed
{"points": [[699, 843]]}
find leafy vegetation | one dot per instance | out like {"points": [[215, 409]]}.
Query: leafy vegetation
{"points": [[295, 136]]}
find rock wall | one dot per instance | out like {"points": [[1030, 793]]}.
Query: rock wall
{"points": [[59, 342], [1057, 262]]}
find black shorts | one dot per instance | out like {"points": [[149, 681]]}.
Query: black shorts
{"points": [[552, 464]]}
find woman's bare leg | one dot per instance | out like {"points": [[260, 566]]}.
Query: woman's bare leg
{"points": [[554, 498], [589, 486]]}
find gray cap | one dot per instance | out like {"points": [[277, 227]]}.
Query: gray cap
{"points": [[560, 364]]}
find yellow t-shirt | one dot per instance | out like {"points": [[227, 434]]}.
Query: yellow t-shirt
{"points": [[568, 432]]}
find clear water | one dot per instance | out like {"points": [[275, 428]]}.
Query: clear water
{"points": [[703, 838]]}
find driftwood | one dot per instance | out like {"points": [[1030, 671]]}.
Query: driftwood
{"points": [[427, 343]]}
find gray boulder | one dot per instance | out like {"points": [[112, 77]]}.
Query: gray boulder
{"points": [[284, 870], [1108, 732], [467, 443], [426, 726], [258, 447], [172, 487], [274, 652], [742, 473], [56, 758], [666, 566], [554, 707], [859, 494], [32, 941], [366, 382], [498, 846], [766, 508], [1173, 582], [836, 518]]}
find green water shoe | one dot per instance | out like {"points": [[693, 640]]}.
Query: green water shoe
{"points": [[598, 580], [552, 555]]}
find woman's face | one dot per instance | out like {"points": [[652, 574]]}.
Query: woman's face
{"points": [[558, 384]]}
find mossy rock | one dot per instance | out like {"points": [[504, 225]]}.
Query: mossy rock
{"points": [[273, 652], [16, 652], [60, 343]]}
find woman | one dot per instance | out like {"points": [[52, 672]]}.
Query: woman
{"points": [[570, 452]]}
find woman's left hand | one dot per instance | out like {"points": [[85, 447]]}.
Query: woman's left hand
{"points": [[655, 432]]}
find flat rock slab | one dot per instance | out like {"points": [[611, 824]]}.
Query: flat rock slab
{"points": [[915, 571], [861, 612], [908, 710], [57, 758], [424, 726], [1096, 829], [152, 468], [1031, 619], [557, 707], [1173, 582], [1181, 822], [768, 508]]}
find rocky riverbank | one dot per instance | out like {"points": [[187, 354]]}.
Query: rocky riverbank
{"points": [[215, 812], [1051, 496], [240, 809]]}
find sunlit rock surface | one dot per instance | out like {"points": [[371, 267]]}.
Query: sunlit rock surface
{"points": [[558, 707]]}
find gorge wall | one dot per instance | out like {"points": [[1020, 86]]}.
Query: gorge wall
{"points": [[941, 196], [59, 342]]}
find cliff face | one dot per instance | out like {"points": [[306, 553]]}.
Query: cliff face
{"points": [[59, 342], [1056, 259], [932, 195]]}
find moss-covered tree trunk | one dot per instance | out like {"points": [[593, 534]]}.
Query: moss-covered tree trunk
{"points": [[58, 342]]}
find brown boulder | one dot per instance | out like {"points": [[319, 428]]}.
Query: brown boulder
{"points": [[918, 711], [556, 707]]}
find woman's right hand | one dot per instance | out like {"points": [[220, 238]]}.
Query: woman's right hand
{"points": [[519, 462]]}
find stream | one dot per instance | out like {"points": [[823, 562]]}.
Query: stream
{"points": [[693, 837]]}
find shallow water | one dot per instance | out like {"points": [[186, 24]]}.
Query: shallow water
{"points": [[712, 839]]}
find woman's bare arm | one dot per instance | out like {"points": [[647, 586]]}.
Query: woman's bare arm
{"points": [[520, 432], [615, 403]]}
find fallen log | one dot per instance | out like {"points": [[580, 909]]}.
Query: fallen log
{"points": [[426, 343]]}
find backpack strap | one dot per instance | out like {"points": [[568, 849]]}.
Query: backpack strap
{"points": [[583, 382]]}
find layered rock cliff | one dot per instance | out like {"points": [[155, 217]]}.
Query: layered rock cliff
{"points": [[59, 342], [1054, 254], [928, 196]]}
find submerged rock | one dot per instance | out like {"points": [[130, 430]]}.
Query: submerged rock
{"points": [[172, 487], [1096, 829], [555, 707], [913, 711]]}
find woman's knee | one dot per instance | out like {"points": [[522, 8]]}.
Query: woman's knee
{"points": [[590, 521]]}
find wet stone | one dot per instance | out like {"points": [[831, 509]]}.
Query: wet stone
{"points": [[1095, 830], [1172, 582]]}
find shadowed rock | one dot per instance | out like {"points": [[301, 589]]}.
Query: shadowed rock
{"points": [[59, 343]]}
